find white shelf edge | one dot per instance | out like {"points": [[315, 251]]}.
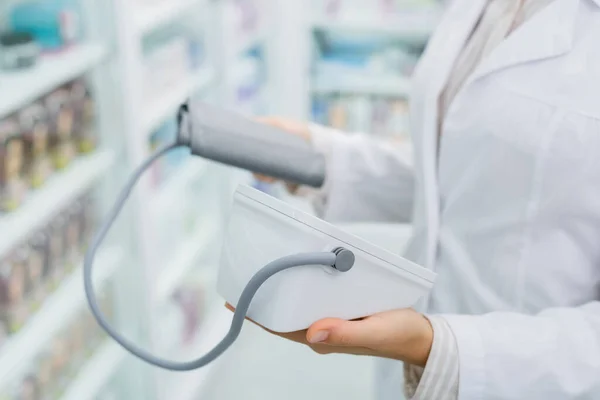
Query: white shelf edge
{"points": [[96, 373], [160, 110], [57, 311], [43, 204], [390, 86], [23, 87], [181, 177], [190, 385], [186, 256], [153, 16]]}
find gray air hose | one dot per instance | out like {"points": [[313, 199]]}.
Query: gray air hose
{"points": [[341, 259]]}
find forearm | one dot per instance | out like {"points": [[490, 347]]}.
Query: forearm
{"points": [[367, 179], [510, 356]]}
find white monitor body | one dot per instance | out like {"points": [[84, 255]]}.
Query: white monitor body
{"points": [[262, 229]]}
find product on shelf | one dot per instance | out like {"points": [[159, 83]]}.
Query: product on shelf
{"points": [[57, 251], [53, 24], [376, 115], [84, 109], [59, 351], [41, 137], [13, 280], [28, 389], [61, 118], [45, 373], [18, 50], [12, 177], [37, 267], [87, 207], [37, 260], [72, 237], [34, 130]]}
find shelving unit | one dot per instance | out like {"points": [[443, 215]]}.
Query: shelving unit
{"points": [[298, 83], [56, 313], [416, 28], [92, 59], [22, 87], [161, 12]]}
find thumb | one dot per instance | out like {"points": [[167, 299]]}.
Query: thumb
{"points": [[337, 332]]}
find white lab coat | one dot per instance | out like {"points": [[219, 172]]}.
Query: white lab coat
{"points": [[508, 211]]}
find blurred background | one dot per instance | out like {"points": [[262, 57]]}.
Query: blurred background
{"points": [[88, 89]]}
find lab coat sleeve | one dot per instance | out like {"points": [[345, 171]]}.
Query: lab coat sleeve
{"points": [[439, 379], [368, 180], [553, 355]]}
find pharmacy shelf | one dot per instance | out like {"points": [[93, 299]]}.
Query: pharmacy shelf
{"points": [[416, 27], [45, 203], [186, 257], [23, 87], [362, 84], [183, 175], [96, 373], [161, 12], [166, 106], [56, 313], [190, 386]]}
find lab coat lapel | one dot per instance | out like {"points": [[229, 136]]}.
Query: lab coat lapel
{"points": [[547, 34], [433, 73]]}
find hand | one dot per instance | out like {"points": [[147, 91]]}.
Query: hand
{"points": [[403, 335], [294, 128]]}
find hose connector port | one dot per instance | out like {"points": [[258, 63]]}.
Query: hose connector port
{"points": [[344, 259]]}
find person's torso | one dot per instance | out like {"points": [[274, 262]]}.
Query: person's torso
{"points": [[517, 221]]}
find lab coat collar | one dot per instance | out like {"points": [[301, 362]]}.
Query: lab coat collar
{"points": [[548, 34]]}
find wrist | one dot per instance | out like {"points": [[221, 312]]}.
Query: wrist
{"points": [[423, 343], [417, 341]]}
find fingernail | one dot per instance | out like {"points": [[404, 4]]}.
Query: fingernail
{"points": [[319, 337]]}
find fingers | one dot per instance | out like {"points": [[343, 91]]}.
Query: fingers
{"points": [[337, 332], [265, 178], [294, 127]]}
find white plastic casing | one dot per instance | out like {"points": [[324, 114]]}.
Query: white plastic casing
{"points": [[262, 229]]}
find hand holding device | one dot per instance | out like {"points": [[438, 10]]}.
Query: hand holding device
{"points": [[404, 335]]}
